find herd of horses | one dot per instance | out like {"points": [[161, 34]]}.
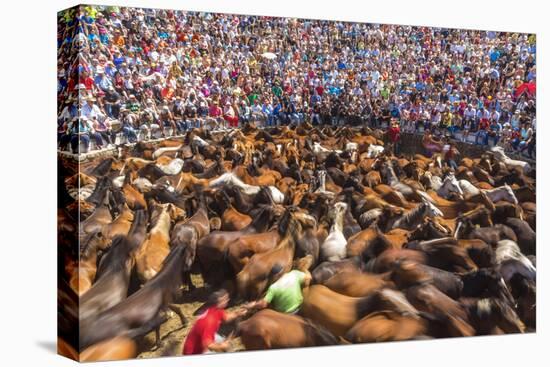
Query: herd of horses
{"points": [[399, 247]]}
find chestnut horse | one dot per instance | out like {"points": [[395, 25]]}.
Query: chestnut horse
{"points": [[338, 313], [386, 326], [252, 280], [269, 329], [212, 249], [151, 254]]}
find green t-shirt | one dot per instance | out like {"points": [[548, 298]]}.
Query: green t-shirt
{"points": [[285, 295], [278, 91], [252, 97]]}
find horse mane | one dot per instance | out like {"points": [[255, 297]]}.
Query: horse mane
{"points": [[102, 168], [212, 170], [153, 170], [292, 230], [264, 194], [86, 246], [262, 219], [165, 196], [283, 223], [115, 259], [155, 216], [101, 191], [171, 270], [139, 224], [413, 214]]}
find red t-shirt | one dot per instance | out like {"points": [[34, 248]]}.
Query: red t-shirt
{"points": [[394, 133], [204, 330], [214, 111], [483, 124]]}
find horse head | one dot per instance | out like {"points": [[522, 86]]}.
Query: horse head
{"points": [[176, 213], [451, 185], [305, 220], [430, 209]]}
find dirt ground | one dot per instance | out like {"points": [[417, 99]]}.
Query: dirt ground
{"points": [[172, 333]]}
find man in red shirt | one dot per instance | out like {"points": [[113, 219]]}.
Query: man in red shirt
{"points": [[394, 133], [202, 337], [482, 132]]}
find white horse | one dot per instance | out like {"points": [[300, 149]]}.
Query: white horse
{"points": [[351, 146], [510, 260], [160, 151], [334, 246], [172, 168], [229, 178], [415, 216], [499, 154], [450, 185], [142, 184], [319, 149], [392, 180], [200, 142], [468, 188], [374, 151], [504, 193], [497, 194], [435, 181]]}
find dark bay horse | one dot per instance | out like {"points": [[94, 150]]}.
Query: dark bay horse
{"points": [[141, 312]]}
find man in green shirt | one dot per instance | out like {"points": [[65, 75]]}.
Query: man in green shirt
{"points": [[285, 295]]}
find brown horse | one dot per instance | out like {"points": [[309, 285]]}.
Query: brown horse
{"points": [[338, 313], [445, 253], [82, 272], [141, 312], [269, 329], [101, 216], [188, 232], [113, 273], [386, 326], [241, 250], [114, 349], [267, 178], [212, 249], [120, 225], [357, 284], [253, 279], [427, 298], [151, 254], [232, 219]]}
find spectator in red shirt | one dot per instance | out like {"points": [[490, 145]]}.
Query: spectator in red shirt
{"points": [[203, 336], [394, 133], [482, 132], [86, 80]]}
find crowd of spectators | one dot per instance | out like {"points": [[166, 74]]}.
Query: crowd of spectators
{"points": [[143, 73]]}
